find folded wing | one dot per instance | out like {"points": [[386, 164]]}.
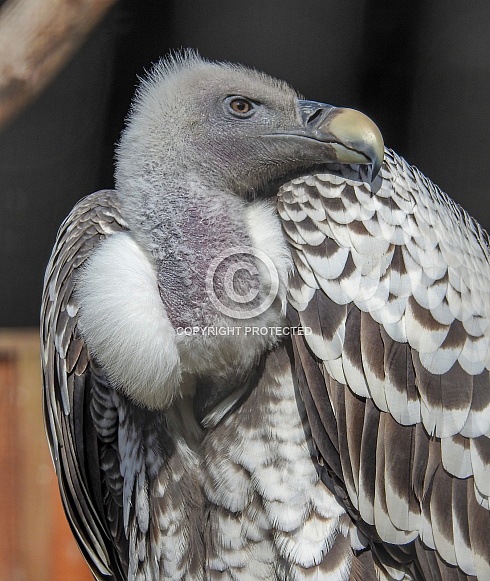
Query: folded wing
{"points": [[391, 284], [70, 383]]}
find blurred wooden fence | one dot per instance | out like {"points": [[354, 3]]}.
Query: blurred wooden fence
{"points": [[36, 543]]}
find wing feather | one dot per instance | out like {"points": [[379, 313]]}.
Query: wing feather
{"points": [[68, 382], [394, 286], [367, 464]]}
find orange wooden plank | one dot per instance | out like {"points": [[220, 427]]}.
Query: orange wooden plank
{"points": [[9, 469], [35, 540]]}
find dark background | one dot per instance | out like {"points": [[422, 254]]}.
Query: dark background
{"points": [[421, 70]]}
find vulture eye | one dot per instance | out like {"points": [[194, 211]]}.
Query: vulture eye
{"points": [[240, 107]]}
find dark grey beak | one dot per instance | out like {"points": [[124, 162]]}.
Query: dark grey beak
{"points": [[351, 136]]}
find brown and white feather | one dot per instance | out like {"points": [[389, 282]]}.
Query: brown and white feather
{"points": [[402, 276]]}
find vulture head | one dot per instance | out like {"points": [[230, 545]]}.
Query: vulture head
{"points": [[234, 129], [205, 147]]}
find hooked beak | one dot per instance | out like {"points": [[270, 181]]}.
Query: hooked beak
{"points": [[349, 136]]}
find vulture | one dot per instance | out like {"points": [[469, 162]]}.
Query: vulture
{"points": [[266, 351]]}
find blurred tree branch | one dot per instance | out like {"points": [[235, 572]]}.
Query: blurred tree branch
{"points": [[37, 37]]}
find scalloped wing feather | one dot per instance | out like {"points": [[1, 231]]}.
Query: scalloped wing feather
{"points": [[392, 278]]}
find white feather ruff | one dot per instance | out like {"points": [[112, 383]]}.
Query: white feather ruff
{"points": [[124, 323]]}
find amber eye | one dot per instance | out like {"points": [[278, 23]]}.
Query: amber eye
{"points": [[240, 106]]}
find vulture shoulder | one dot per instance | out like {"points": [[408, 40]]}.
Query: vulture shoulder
{"points": [[70, 381], [128, 484], [390, 284]]}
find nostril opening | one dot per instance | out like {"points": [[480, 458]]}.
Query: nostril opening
{"points": [[314, 116]]}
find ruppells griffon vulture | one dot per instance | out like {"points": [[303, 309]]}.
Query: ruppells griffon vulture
{"points": [[266, 352]]}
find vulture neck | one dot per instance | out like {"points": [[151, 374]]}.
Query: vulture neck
{"points": [[188, 229], [202, 241]]}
